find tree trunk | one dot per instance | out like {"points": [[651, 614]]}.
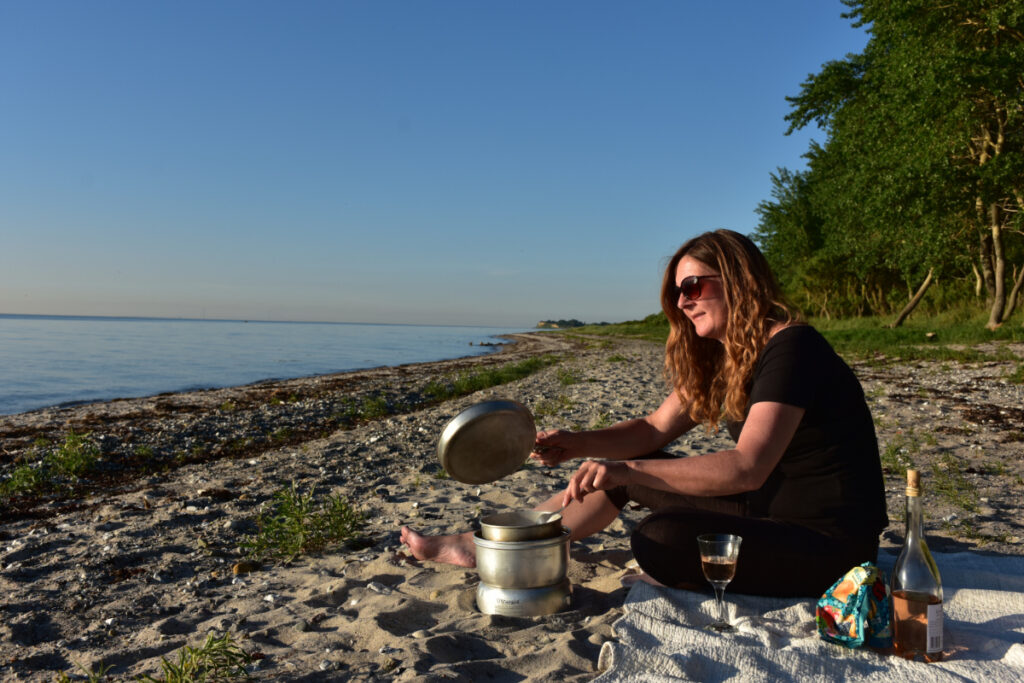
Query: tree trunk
{"points": [[995, 315], [914, 301], [1011, 303], [978, 284], [987, 274], [876, 299]]}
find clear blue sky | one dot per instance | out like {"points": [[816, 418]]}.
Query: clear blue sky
{"points": [[491, 162]]}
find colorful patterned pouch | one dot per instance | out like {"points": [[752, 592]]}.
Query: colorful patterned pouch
{"points": [[856, 610]]}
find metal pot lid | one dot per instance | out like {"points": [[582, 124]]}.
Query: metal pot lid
{"points": [[487, 441]]}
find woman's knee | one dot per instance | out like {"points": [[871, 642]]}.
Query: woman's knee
{"points": [[660, 548]]}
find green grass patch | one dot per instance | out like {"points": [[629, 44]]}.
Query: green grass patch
{"points": [[94, 675], [281, 434], [1017, 376], [354, 410], [997, 468], [220, 658], [234, 446], [962, 528], [949, 336], [652, 328], [72, 459], [550, 407], [567, 377], [590, 342], [297, 523], [374, 407], [348, 413], [919, 338], [950, 482], [24, 480], [463, 383], [897, 454], [75, 457]]}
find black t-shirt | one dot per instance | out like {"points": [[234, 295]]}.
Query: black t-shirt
{"points": [[830, 476]]}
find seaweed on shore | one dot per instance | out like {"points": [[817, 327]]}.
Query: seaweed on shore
{"points": [[173, 431]]}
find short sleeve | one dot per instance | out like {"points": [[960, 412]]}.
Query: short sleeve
{"points": [[791, 368]]}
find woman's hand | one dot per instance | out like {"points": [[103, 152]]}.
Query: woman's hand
{"points": [[596, 475], [621, 441], [553, 447]]}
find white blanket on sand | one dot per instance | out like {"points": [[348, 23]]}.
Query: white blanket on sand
{"points": [[660, 636]]}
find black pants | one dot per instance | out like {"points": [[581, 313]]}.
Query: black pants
{"points": [[776, 558]]}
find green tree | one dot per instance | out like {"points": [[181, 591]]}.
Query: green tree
{"points": [[790, 235], [922, 171]]}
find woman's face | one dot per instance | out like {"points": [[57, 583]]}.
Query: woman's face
{"points": [[707, 311]]}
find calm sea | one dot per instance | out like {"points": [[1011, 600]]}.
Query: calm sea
{"points": [[54, 360]]}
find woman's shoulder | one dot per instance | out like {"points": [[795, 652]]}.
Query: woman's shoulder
{"points": [[799, 338], [794, 331]]}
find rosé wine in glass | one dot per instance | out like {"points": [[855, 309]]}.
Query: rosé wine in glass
{"points": [[718, 555]]}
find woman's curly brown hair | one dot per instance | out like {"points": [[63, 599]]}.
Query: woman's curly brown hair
{"points": [[711, 377]]}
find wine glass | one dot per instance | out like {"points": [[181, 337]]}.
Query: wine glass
{"points": [[718, 555]]}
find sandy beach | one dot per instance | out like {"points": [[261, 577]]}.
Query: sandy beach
{"points": [[151, 560]]}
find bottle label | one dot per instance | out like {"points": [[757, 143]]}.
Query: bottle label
{"points": [[934, 628]]}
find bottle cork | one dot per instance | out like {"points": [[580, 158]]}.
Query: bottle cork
{"points": [[913, 483]]}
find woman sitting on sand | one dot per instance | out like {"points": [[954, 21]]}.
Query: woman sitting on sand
{"points": [[803, 486]]}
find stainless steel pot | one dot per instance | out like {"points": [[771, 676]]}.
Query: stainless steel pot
{"points": [[524, 602], [522, 564], [521, 525]]}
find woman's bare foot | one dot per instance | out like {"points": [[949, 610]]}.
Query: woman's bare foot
{"points": [[457, 549]]}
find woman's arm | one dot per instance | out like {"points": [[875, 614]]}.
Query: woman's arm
{"points": [[621, 441], [766, 433]]}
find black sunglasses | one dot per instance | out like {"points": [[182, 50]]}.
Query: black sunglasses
{"points": [[691, 287]]}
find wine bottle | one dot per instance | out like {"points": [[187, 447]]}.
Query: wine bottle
{"points": [[916, 588]]}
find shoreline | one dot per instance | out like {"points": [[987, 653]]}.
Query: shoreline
{"points": [[68, 405], [144, 566], [170, 379], [204, 425]]}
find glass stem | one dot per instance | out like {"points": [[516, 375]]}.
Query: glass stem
{"points": [[723, 616]]}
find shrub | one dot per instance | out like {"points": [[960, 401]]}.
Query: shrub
{"points": [[219, 658], [76, 456], [296, 524]]}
